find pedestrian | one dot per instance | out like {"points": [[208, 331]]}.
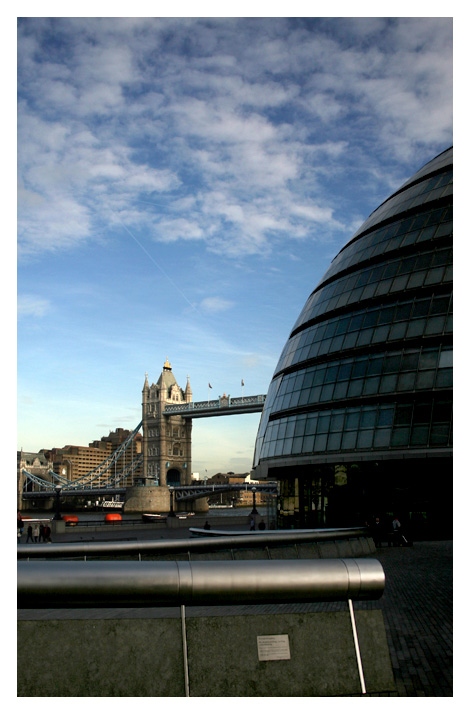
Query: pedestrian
{"points": [[377, 532], [261, 526], [396, 527], [19, 525], [207, 525], [36, 533], [29, 534], [47, 533], [41, 533], [252, 524]]}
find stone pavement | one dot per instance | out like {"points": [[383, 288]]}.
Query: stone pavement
{"points": [[417, 607]]}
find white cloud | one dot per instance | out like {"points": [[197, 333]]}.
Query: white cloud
{"points": [[32, 305], [215, 304]]}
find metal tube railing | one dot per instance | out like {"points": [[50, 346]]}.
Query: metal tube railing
{"points": [[172, 546], [68, 584]]}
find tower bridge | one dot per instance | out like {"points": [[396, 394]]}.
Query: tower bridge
{"points": [[167, 414]]}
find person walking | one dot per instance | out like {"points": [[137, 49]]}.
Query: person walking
{"points": [[36, 533], [47, 534], [29, 532], [41, 533]]}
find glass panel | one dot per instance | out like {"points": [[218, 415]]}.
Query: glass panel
{"points": [[334, 441], [355, 388], [353, 420], [416, 327], [365, 439], [327, 392], [382, 437], [422, 413], [439, 434], [371, 385], [428, 359], [297, 445], [435, 325], [320, 443], [349, 440], [340, 390], [425, 379], [421, 308], [385, 416], [446, 358], [442, 410], [359, 368], [308, 444], [392, 363], [445, 377], [364, 337], [419, 435], [311, 425], [400, 436], [388, 383], [323, 423], [398, 331], [368, 418]]}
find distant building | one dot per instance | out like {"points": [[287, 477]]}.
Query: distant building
{"points": [[36, 463], [357, 421]]}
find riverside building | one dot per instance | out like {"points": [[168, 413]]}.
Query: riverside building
{"points": [[357, 421]]}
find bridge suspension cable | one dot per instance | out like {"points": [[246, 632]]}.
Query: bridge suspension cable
{"points": [[100, 476]]}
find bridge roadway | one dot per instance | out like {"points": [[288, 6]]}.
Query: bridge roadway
{"points": [[181, 493], [225, 405]]}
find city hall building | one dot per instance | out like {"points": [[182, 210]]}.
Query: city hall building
{"points": [[357, 421]]}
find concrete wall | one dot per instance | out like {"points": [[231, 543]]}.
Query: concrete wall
{"points": [[109, 657]]}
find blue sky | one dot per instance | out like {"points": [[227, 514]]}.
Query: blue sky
{"points": [[183, 185]]}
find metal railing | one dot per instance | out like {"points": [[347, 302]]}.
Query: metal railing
{"points": [[195, 545]]}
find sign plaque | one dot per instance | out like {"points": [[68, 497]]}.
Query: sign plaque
{"points": [[273, 647]]}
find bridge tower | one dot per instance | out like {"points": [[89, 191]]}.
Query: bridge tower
{"points": [[166, 438]]}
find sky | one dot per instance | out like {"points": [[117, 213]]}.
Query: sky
{"points": [[183, 185]]}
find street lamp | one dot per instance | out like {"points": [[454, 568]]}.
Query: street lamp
{"points": [[254, 508], [171, 512]]}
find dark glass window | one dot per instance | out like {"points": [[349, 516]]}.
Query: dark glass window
{"points": [[445, 378], [425, 379], [439, 305], [420, 308], [442, 410], [368, 418], [375, 366], [428, 359], [403, 414], [359, 368], [403, 311], [371, 318], [410, 360], [344, 371], [400, 436], [392, 363], [385, 416], [352, 420], [422, 412], [365, 439], [323, 423]]}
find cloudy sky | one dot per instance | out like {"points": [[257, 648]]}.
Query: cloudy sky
{"points": [[183, 185]]}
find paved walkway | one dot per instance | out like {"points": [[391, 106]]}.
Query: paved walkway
{"points": [[416, 605]]}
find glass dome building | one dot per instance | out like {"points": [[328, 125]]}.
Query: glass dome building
{"points": [[357, 418]]}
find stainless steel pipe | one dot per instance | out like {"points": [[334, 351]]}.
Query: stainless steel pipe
{"points": [[66, 584]]}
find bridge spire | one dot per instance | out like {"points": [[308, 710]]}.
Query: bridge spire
{"points": [[188, 390]]}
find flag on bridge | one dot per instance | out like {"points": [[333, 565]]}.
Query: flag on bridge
{"points": [[242, 383], [210, 386]]}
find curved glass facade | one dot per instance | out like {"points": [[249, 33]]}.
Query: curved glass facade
{"points": [[357, 418]]}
